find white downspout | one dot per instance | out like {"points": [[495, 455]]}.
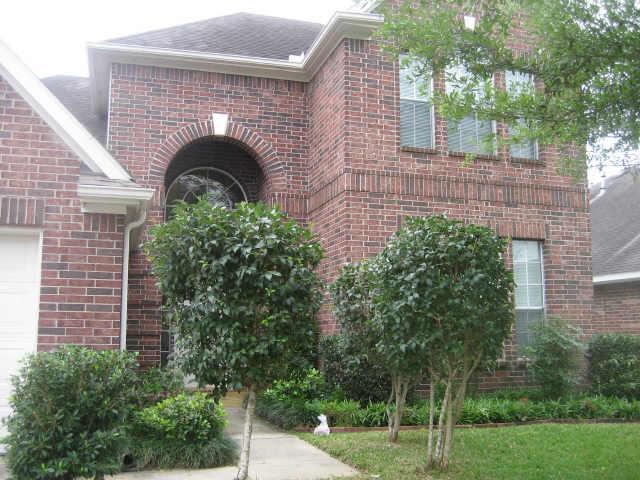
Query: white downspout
{"points": [[124, 297]]}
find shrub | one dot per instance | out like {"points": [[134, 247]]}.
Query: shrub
{"points": [[350, 371], [69, 411], [157, 384], [182, 431], [309, 385], [614, 365], [554, 357]]}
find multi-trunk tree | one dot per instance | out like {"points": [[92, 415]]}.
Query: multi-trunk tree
{"points": [[240, 288]]}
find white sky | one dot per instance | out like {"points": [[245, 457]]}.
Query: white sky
{"points": [[50, 35]]}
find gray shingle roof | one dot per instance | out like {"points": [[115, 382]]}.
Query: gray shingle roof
{"points": [[74, 94], [238, 34], [615, 219]]}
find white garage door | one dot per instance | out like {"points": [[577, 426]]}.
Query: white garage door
{"points": [[19, 298]]}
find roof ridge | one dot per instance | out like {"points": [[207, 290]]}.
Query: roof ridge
{"points": [[196, 22]]}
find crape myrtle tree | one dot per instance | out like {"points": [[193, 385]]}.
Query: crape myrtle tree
{"points": [[240, 289], [584, 58], [443, 293], [352, 306]]}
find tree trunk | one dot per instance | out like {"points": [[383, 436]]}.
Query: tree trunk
{"points": [[432, 411], [390, 414], [399, 390], [448, 439], [443, 414], [243, 467]]}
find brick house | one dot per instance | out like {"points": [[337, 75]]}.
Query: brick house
{"points": [[616, 253], [312, 118]]}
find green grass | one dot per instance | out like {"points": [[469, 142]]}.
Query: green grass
{"points": [[534, 452]]}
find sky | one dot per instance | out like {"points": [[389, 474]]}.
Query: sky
{"points": [[51, 35]]}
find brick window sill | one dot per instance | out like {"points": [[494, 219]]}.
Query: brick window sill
{"points": [[526, 161], [431, 151], [476, 156]]}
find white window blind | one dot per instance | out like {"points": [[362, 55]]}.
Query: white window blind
{"points": [[416, 111], [529, 279], [516, 82], [470, 134]]}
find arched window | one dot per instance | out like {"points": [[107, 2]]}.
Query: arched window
{"points": [[217, 185]]}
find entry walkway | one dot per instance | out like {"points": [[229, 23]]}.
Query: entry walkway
{"points": [[275, 455]]}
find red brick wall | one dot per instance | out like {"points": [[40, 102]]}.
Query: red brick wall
{"points": [[82, 254], [616, 308], [335, 142]]}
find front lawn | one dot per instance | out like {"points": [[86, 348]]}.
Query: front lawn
{"points": [[554, 451]]}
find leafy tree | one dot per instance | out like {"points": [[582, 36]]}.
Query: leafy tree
{"points": [[240, 288], [555, 357], [352, 297], [442, 302], [583, 54]]}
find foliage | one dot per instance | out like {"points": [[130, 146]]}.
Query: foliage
{"points": [[184, 431], [614, 365], [69, 412], [309, 386], [158, 383], [350, 369], [239, 286], [555, 355], [442, 301], [568, 452], [479, 410], [584, 54]]}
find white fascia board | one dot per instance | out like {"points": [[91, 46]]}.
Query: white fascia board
{"points": [[112, 199], [342, 25], [56, 115], [616, 278]]}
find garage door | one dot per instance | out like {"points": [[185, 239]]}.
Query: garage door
{"points": [[19, 298]]}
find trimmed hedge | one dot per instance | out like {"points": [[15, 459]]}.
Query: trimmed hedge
{"points": [[614, 365], [475, 411]]}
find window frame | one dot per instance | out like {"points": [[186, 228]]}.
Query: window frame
{"points": [[536, 148], [494, 123], [415, 98], [543, 307]]}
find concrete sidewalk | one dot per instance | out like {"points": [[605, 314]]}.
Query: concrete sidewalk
{"points": [[275, 455]]}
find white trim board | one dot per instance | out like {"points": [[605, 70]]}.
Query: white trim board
{"points": [[616, 278], [342, 25], [56, 115]]}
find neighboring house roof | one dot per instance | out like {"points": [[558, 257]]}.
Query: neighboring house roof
{"points": [[75, 94], [243, 34], [55, 114], [615, 219]]}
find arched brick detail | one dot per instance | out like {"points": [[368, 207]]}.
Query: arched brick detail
{"points": [[260, 149]]}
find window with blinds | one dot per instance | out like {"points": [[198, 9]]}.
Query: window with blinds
{"points": [[471, 134], [515, 82], [416, 111], [529, 279]]}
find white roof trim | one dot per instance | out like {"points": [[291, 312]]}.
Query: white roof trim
{"points": [[342, 25], [61, 121], [616, 278], [113, 199]]}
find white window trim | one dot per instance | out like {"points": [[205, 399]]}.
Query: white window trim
{"points": [[422, 100]]}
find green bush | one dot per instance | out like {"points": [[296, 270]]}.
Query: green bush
{"points": [[554, 356], [349, 371], [478, 410], [309, 385], [185, 431], [157, 384], [614, 365], [69, 412]]}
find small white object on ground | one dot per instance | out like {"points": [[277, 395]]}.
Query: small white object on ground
{"points": [[322, 430]]}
